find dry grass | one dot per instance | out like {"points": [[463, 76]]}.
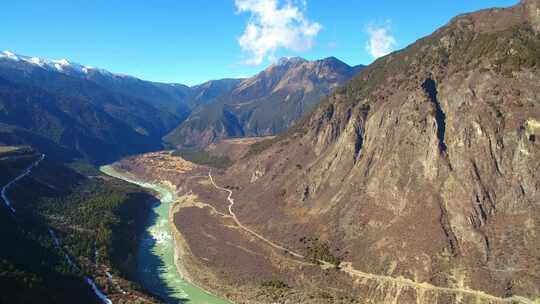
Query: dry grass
{"points": [[7, 149], [247, 140], [164, 161]]}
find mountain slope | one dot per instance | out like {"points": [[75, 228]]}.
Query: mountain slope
{"points": [[132, 109], [150, 109], [97, 223], [164, 96], [424, 166], [210, 91], [161, 95], [97, 132], [265, 104], [77, 114], [178, 99]]}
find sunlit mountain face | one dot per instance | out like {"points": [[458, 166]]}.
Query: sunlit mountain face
{"points": [[261, 168]]}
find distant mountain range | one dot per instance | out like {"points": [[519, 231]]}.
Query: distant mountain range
{"points": [[87, 112], [418, 178], [265, 104], [57, 102]]}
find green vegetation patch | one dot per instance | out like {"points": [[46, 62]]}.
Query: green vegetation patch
{"points": [[274, 289], [262, 145], [317, 251], [31, 267], [510, 50], [101, 220]]}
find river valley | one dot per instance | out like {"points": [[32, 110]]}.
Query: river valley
{"points": [[156, 254]]}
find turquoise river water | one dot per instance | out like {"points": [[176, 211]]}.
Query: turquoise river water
{"points": [[156, 269]]}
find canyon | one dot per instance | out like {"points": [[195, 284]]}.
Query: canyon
{"points": [[411, 180], [419, 177]]}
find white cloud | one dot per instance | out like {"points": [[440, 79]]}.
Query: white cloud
{"points": [[274, 26], [381, 42]]}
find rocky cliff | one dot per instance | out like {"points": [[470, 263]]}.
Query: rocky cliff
{"points": [[424, 166]]}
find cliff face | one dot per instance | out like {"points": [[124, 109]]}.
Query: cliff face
{"points": [[265, 104], [423, 166]]}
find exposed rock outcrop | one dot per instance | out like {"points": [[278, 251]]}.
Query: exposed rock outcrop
{"points": [[424, 166]]}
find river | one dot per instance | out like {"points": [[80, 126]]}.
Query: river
{"points": [[156, 269]]}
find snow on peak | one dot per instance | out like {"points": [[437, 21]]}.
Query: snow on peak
{"points": [[36, 61], [9, 55], [85, 69], [62, 62], [60, 65]]}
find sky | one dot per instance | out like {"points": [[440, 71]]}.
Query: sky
{"points": [[191, 42]]}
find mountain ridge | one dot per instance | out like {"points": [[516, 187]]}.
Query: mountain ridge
{"points": [[429, 152], [265, 104]]}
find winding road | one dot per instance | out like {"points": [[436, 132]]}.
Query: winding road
{"points": [[16, 179], [233, 216], [348, 268], [345, 266]]}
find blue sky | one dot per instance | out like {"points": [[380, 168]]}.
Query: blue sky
{"points": [[193, 41]]}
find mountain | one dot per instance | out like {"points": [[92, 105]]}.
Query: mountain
{"points": [[210, 91], [79, 115], [93, 113], [425, 166], [97, 114], [164, 96], [175, 98], [142, 112], [169, 97], [97, 226], [98, 132], [265, 104]]}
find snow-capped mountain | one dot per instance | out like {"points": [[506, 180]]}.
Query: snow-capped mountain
{"points": [[58, 105], [61, 65], [168, 97]]}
